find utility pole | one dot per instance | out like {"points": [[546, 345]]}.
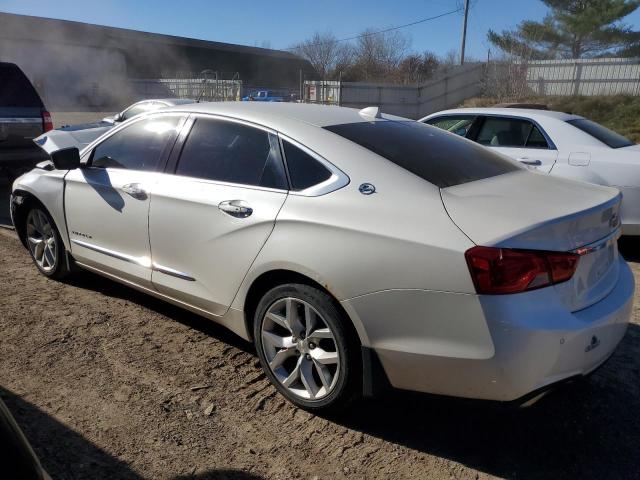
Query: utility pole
{"points": [[464, 31]]}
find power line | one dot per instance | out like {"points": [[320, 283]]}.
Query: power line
{"points": [[368, 34]]}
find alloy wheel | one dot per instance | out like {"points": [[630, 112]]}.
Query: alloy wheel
{"points": [[300, 348], [42, 240]]}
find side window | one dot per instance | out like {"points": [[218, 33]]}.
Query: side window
{"points": [[304, 170], [232, 152], [140, 146], [536, 139], [507, 132], [458, 124]]}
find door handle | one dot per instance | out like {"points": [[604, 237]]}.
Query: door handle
{"points": [[135, 190], [533, 163], [236, 208]]}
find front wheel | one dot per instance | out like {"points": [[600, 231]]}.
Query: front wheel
{"points": [[306, 349], [45, 244]]}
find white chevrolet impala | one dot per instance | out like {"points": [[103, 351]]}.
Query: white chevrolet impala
{"points": [[355, 249], [557, 143]]}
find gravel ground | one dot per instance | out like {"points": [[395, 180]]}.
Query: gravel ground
{"points": [[109, 383]]}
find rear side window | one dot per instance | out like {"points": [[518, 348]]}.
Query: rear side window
{"points": [[436, 156], [140, 146], [304, 170], [606, 136], [458, 124], [232, 152], [510, 132], [16, 89]]}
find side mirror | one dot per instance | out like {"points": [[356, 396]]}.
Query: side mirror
{"points": [[117, 117], [66, 159]]}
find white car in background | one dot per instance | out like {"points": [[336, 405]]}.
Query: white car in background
{"points": [[353, 248], [557, 143]]}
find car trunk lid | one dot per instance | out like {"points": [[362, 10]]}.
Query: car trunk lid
{"points": [[526, 210]]}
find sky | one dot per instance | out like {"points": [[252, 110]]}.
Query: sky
{"points": [[281, 24]]}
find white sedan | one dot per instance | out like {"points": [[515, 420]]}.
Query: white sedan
{"points": [[354, 249], [557, 143]]}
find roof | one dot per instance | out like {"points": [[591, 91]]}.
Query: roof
{"points": [[27, 27], [270, 113], [512, 112]]}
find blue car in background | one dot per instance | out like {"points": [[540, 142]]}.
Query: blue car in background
{"points": [[266, 96]]}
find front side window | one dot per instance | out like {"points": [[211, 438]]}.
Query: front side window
{"points": [[439, 158], [509, 132], [458, 124], [232, 152], [304, 170], [606, 136], [140, 146]]}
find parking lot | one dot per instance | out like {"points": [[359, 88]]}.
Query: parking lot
{"points": [[109, 383]]}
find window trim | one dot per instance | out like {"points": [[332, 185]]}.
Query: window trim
{"points": [[336, 181], [86, 156], [484, 116], [182, 138]]}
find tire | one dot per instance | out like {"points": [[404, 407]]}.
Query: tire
{"points": [[45, 243], [307, 349]]}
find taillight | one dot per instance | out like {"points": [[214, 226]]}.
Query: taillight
{"points": [[47, 123], [503, 270]]}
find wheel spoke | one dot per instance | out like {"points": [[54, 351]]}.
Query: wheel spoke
{"points": [[294, 375], [279, 358], [276, 341], [321, 333], [323, 373], [306, 376], [309, 319], [280, 320], [293, 318], [49, 256], [325, 358]]}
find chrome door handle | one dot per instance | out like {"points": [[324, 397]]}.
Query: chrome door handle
{"points": [[533, 163], [236, 208], [135, 190]]}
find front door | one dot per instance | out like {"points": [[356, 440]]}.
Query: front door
{"points": [[107, 200]]}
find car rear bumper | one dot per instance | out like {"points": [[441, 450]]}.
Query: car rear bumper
{"points": [[533, 341]]}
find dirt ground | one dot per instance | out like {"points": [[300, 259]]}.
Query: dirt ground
{"points": [[109, 383]]}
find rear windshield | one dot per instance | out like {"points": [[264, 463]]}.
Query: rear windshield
{"points": [[438, 157], [16, 89], [606, 136]]}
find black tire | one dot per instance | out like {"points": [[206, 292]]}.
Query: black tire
{"points": [[347, 387], [59, 268]]}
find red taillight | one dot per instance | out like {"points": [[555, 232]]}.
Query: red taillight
{"points": [[47, 123], [502, 270]]}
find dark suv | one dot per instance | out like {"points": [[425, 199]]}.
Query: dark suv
{"points": [[22, 118]]}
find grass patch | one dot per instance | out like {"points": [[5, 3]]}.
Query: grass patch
{"points": [[620, 113]]}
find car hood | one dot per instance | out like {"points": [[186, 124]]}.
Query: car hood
{"points": [[65, 138]]}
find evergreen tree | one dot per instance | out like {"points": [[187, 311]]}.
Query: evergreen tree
{"points": [[573, 29]]}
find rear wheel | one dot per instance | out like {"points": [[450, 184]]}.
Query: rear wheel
{"points": [[45, 244], [305, 348]]}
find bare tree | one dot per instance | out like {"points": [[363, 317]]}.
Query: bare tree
{"points": [[377, 55], [416, 69], [326, 54]]}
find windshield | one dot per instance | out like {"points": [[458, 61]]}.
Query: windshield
{"points": [[597, 131], [436, 156]]}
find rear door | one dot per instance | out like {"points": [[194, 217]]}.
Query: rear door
{"points": [[520, 139], [214, 210], [20, 110], [107, 201]]}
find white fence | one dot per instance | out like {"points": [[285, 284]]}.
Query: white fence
{"points": [[598, 76], [593, 76], [406, 101], [208, 90]]}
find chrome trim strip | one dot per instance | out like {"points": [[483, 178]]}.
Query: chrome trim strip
{"points": [[599, 244], [142, 261], [21, 120], [172, 272]]}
